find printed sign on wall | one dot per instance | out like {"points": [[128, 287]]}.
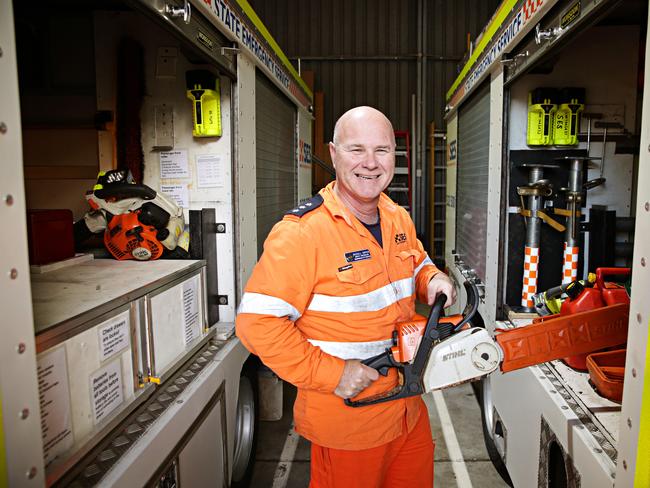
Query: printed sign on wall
{"points": [[54, 399]]}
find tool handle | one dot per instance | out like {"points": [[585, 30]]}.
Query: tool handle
{"points": [[382, 362], [471, 306], [601, 273], [403, 390], [121, 191], [410, 383], [557, 291]]}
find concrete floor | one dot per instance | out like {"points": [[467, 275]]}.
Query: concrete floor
{"points": [[464, 412]]}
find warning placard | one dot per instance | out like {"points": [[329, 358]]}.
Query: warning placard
{"points": [[191, 317], [54, 398], [106, 390], [113, 336]]}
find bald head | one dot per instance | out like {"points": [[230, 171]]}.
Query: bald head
{"points": [[361, 116], [363, 155]]}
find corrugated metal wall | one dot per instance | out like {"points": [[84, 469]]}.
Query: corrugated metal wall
{"points": [[365, 51]]}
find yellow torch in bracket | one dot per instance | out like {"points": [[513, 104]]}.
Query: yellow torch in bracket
{"points": [[204, 91]]}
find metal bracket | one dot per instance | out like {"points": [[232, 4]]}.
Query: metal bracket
{"points": [[229, 50], [512, 62], [175, 12], [547, 34]]}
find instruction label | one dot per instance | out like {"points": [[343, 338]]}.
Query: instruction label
{"points": [[106, 390], [173, 164], [178, 193], [113, 336], [54, 399], [210, 171], [191, 318]]}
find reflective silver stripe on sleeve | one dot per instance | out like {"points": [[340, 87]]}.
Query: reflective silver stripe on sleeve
{"points": [[352, 350], [424, 262], [267, 305], [367, 302]]}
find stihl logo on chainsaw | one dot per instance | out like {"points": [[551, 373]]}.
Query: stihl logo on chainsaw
{"points": [[453, 355]]}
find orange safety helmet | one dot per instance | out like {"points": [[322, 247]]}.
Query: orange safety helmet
{"points": [[128, 238]]}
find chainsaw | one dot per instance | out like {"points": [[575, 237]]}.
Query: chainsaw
{"points": [[440, 352]]}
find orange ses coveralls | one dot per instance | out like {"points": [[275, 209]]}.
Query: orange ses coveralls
{"points": [[324, 291]]}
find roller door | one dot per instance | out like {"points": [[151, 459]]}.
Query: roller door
{"points": [[472, 192], [277, 177]]}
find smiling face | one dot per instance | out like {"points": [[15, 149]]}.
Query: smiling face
{"points": [[363, 153]]}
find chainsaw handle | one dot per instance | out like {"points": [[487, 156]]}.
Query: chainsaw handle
{"points": [[471, 306], [381, 362], [410, 383], [406, 389]]}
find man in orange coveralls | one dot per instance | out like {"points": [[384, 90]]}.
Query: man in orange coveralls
{"points": [[337, 274]]}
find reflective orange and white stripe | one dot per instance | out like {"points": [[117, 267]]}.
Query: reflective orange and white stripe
{"points": [[531, 262], [570, 269], [371, 301]]}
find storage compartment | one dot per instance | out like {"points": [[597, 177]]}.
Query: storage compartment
{"points": [[105, 329], [552, 189], [602, 162]]}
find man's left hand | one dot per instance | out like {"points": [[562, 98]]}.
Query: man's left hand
{"points": [[441, 283]]}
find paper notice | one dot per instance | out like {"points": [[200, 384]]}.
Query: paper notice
{"points": [[173, 164], [54, 398], [106, 390], [191, 316], [113, 336], [179, 193], [210, 172]]}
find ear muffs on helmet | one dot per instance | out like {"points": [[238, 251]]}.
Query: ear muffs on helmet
{"points": [[128, 238]]}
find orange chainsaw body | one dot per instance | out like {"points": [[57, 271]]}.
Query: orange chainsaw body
{"points": [[409, 333]]}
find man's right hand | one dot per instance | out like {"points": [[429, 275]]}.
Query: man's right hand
{"points": [[356, 377]]}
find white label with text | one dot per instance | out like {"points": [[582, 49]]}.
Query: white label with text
{"points": [[106, 390], [113, 336], [54, 398], [191, 316]]}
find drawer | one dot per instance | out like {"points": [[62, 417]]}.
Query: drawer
{"points": [[176, 323], [86, 381]]}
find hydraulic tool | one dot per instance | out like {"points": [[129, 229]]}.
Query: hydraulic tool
{"points": [[439, 352]]}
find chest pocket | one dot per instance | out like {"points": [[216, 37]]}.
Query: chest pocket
{"points": [[407, 260], [360, 273]]}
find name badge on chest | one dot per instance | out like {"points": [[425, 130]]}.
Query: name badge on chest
{"points": [[354, 256]]}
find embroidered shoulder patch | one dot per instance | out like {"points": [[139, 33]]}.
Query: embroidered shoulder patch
{"points": [[311, 204]]}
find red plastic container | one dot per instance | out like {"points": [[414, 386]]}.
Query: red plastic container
{"points": [[50, 235], [612, 292], [589, 299], [607, 371], [602, 294]]}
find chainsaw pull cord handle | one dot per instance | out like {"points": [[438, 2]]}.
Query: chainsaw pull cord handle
{"points": [[471, 306]]}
